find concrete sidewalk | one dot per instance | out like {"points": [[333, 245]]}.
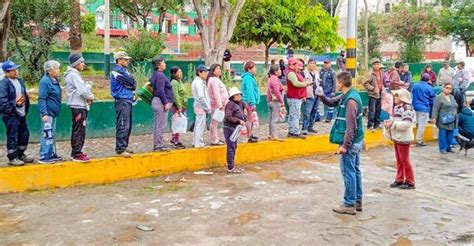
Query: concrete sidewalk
{"points": [[272, 203]]}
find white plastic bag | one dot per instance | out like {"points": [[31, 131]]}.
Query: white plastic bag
{"points": [[218, 115], [179, 123]]}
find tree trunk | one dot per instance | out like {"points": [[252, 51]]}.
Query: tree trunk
{"points": [[215, 36], [75, 33], [5, 19], [267, 50], [468, 48], [366, 38]]}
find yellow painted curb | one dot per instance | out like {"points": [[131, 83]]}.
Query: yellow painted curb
{"points": [[112, 169]]}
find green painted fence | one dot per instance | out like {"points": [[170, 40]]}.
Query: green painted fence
{"points": [[101, 119]]}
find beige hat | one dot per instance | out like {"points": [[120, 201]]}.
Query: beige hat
{"points": [[234, 91], [121, 55], [403, 94]]}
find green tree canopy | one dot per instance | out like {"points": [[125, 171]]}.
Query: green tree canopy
{"points": [[458, 22], [88, 23], [286, 22]]}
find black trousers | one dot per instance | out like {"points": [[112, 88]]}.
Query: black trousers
{"points": [[17, 135], [375, 108], [78, 134], [123, 124]]}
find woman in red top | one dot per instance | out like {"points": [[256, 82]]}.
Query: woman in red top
{"points": [[429, 70]]}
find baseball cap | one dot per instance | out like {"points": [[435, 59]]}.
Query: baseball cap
{"points": [[121, 55], [375, 60], [9, 65], [201, 68], [292, 61]]}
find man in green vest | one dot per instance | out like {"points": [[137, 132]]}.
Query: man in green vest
{"points": [[348, 132]]}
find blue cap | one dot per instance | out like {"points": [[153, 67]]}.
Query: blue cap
{"points": [[201, 68], [9, 65]]}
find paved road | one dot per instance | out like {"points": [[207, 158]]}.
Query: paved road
{"points": [[279, 203]]}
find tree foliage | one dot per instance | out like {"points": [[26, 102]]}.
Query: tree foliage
{"points": [[88, 23], [458, 22], [374, 36], [412, 27], [142, 45], [34, 24], [286, 22]]}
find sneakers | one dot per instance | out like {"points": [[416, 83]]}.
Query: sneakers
{"points": [[161, 149], [178, 145], [312, 130], [451, 151], [46, 161], [343, 209], [81, 158], [359, 205], [16, 162], [129, 151], [395, 184], [124, 154], [304, 133], [253, 140], [26, 159], [57, 157], [421, 144], [219, 143], [234, 170], [407, 186]]}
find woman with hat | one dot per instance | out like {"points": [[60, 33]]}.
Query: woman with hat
{"points": [[234, 116], [444, 115], [400, 128]]}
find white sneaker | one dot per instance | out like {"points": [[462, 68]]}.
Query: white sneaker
{"points": [[16, 162]]}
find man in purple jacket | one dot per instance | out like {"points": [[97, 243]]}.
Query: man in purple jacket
{"points": [[161, 103]]}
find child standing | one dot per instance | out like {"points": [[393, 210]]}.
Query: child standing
{"points": [[234, 116]]}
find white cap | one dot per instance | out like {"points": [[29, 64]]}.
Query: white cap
{"points": [[234, 91]]}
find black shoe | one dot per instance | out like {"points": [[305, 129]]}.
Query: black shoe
{"points": [[407, 186], [327, 121], [312, 131], [57, 157], [296, 136], [161, 149], [179, 145], [451, 151], [253, 140], [305, 133], [254, 137], [421, 144], [359, 205], [395, 184]]}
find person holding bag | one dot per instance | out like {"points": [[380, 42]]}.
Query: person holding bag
{"points": [[218, 96], [444, 115], [179, 104], [251, 97], [400, 129], [275, 102], [233, 121]]}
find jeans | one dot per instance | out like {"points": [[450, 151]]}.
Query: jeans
{"points": [[422, 120], [349, 163], [47, 148], [17, 135], [444, 139], [123, 124], [294, 115], [310, 113], [231, 147], [199, 127], [274, 116], [160, 122], [328, 111], [78, 133], [375, 109], [404, 168]]}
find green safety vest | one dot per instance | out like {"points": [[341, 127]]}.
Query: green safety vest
{"points": [[338, 129]]}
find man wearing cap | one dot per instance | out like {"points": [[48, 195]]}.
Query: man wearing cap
{"points": [[14, 105], [202, 105], [423, 99], [446, 74], [122, 86], [79, 99], [328, 84], [295, 96], [374, 86]]}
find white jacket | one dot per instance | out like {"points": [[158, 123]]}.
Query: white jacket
{"points": [[201, 96], [401, 130]]}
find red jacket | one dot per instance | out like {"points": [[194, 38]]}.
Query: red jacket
{"points": [[295, 92]]}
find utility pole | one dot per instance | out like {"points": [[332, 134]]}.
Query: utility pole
{"points": [[351, 51], [107, 37]]}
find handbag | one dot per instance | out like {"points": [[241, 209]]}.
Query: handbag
{"points": [[447, 118]]}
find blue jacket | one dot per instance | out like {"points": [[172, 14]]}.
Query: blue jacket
{"points": [[162, 87], [49, 97], [328, 80], [8, 97], [250, 91], [423, 97], [466, 120], [122, 84]]}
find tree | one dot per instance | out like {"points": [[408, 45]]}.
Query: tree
{"points": [[373, 42], [421, 28], [34, 24], [459, 23], [75, 33], [87, 23], [142, 45], [222, 20], [329, 5], [5, 20], [139, 10], [286, 22]]}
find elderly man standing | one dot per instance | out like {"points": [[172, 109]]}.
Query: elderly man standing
{"points": [[374, 86], [446, 74], [122, 86], [14, 105], [79, 99]]}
